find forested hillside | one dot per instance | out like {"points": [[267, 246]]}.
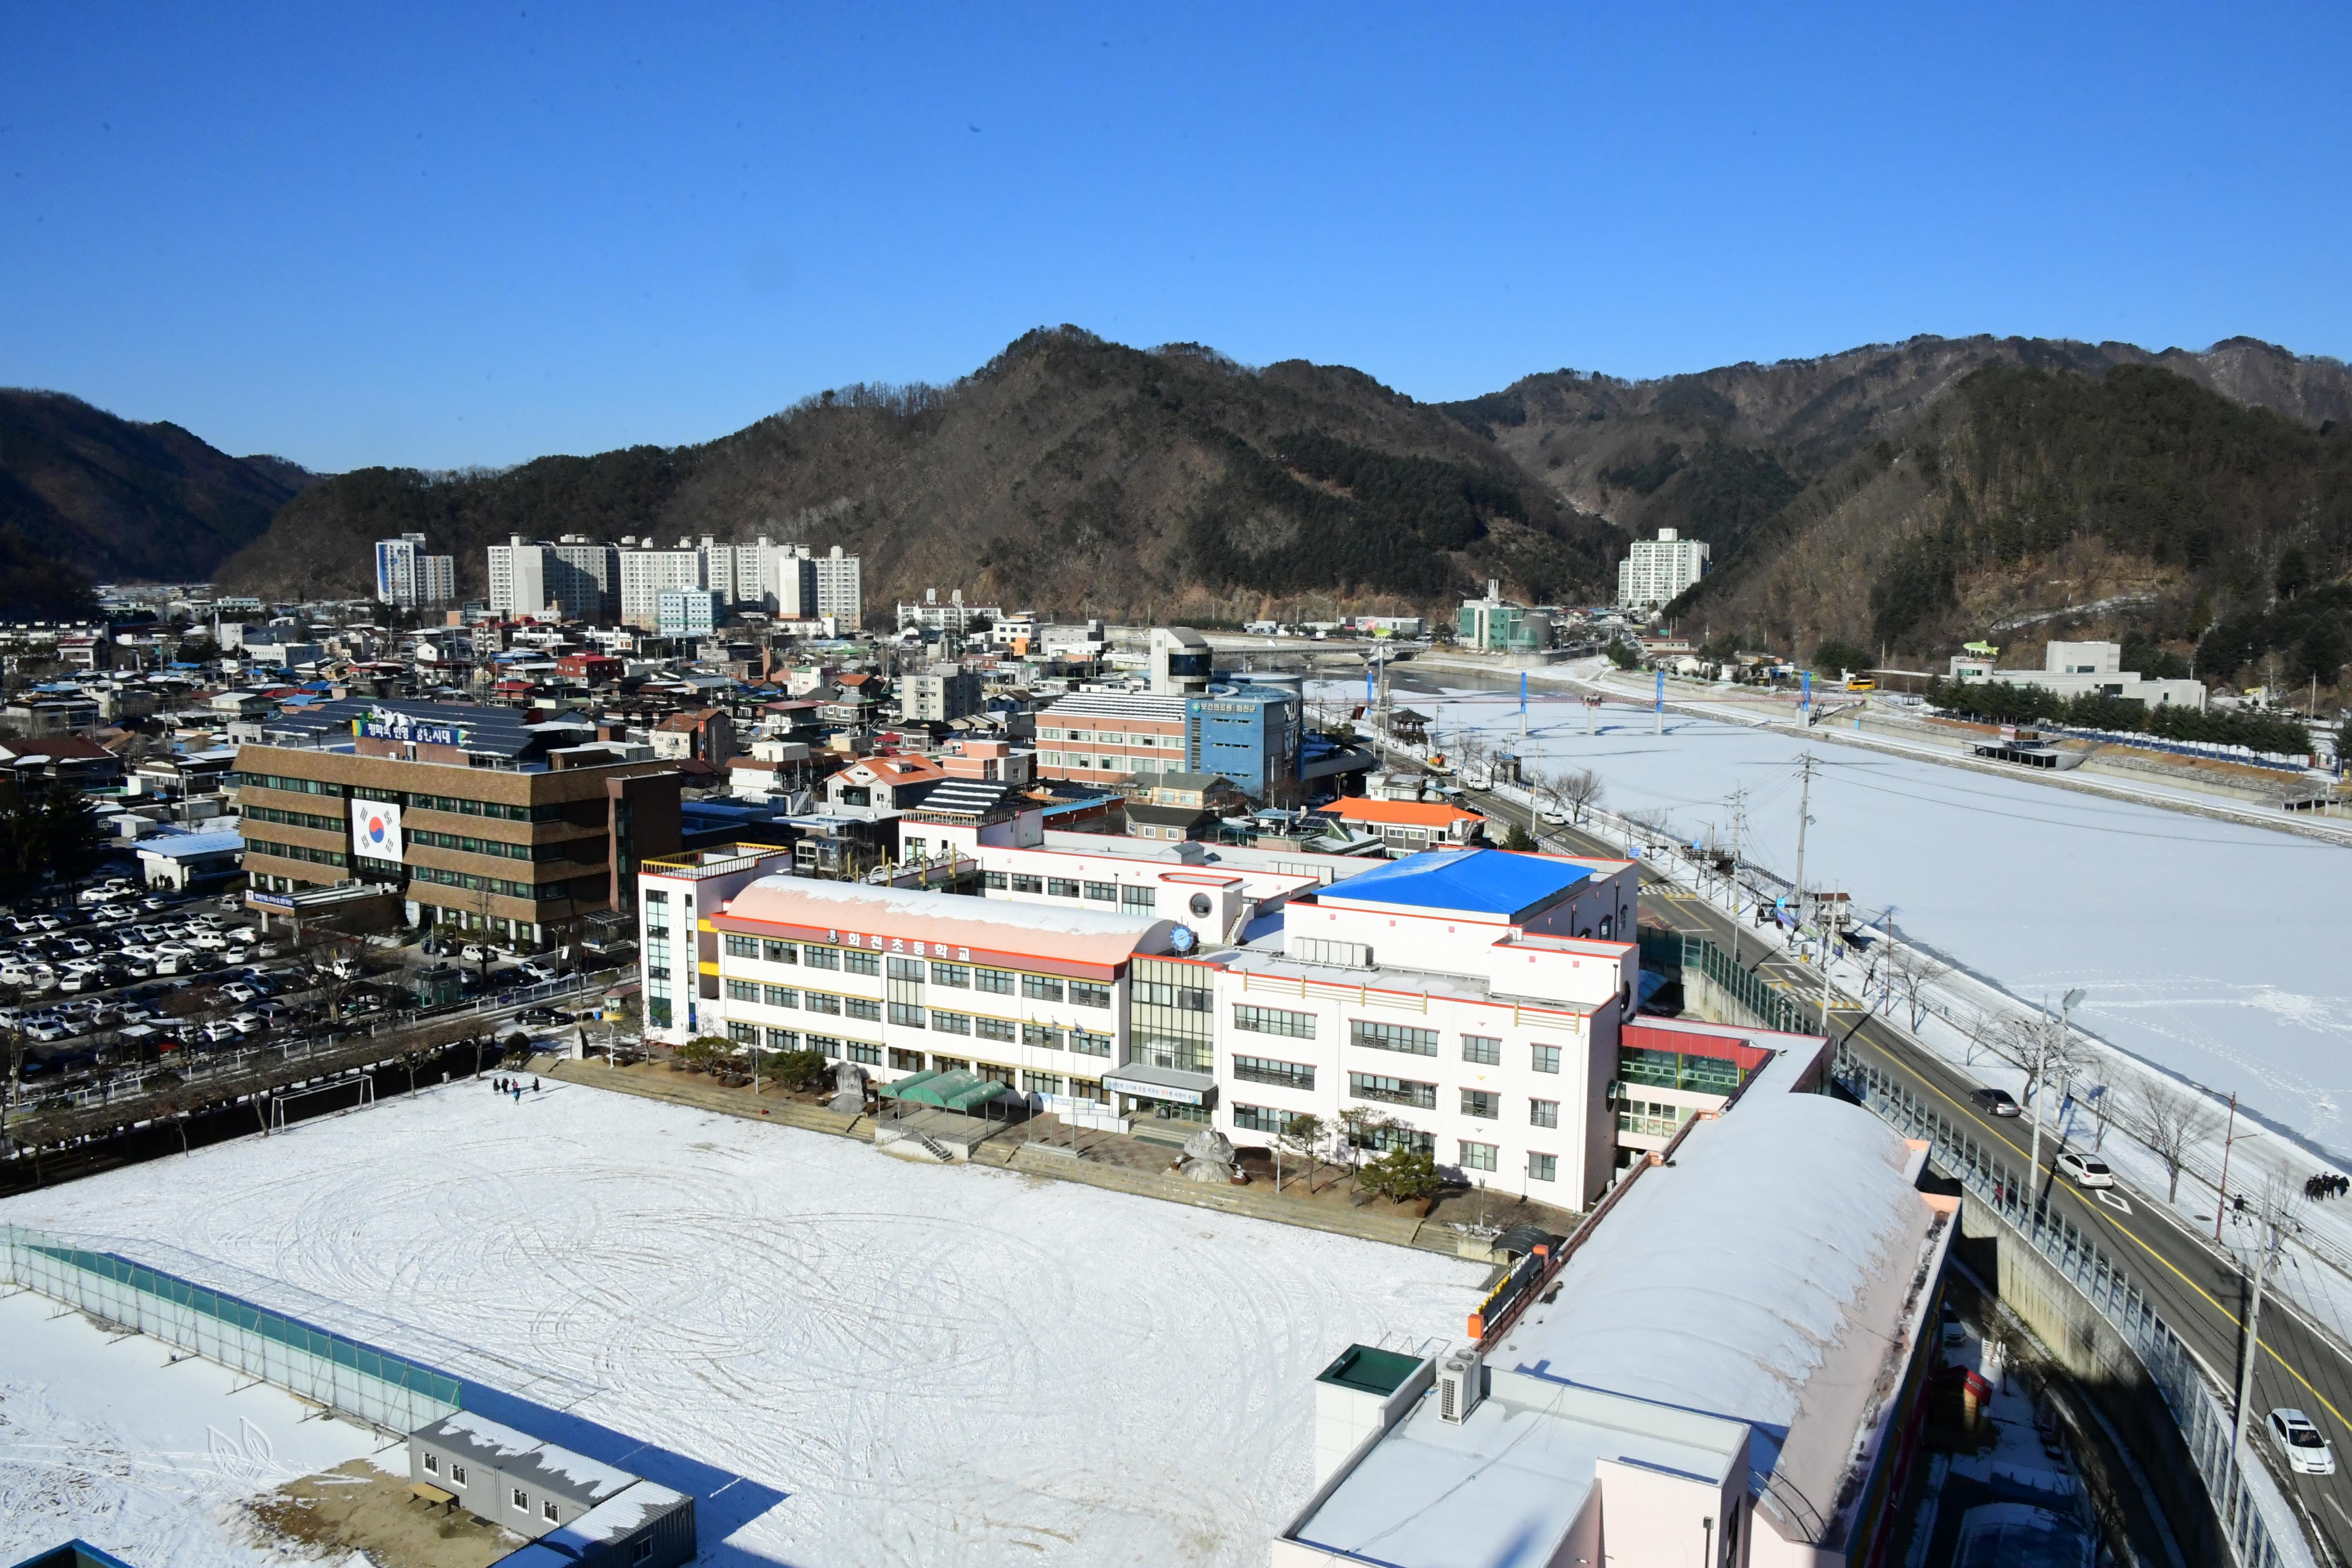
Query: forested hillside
{"points": [[1070, 474], [85, 496]]}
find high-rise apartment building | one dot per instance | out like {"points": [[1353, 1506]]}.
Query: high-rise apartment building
{"points": [[409, 578], [1659, 569], [645, 572], [840, 589], [573, 579]]}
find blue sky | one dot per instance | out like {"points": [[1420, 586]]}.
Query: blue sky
{"points": [[474, 234]]}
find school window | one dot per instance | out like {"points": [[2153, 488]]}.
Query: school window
{"points": [[1479, 1048], [951, 1023], [1543, 1113], [1028, 884], [907, 969], [1479, 1103], [1102, 892], [779, 952], [1041, 988], [1544, 1059], [1393, 1037], [870, 1055], [1543, 1167], [856, 962], [996, 981], [658, 895], [743, 1034], [993, 1028], [821, 957], [1041, 1082], [742, 991], [951, 974], [1286, 1075], [1275, 1021], [1044, 1035], [1138, 901], [992, 880], [1090, 993], [783, 1040], [906, 1061], [1087, 1043], [1477, 1156], [1262, 1119], [819, 1002], [1392, 1091], [1062, 887], [742, 946], [864, 1008], [780, 996]]}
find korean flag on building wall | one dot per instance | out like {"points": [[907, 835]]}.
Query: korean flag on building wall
{"points": [[376, 830]]}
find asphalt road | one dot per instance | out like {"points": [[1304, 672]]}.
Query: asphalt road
{"points": [[2195, 1290]]}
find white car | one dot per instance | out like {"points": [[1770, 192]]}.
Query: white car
{"points": [[238, 991], [210, 940], [2085, 1169], [46, 1034], [477, 954], [2305, 1451], [218, 1032], [247, 1022]]}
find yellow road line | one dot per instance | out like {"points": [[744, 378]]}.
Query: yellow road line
{"points": [[2230, 1317]]}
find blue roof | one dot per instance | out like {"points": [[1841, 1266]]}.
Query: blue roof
{"points": [[1479, 881]]}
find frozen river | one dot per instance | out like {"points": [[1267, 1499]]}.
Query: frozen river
{"points": [[2213, 950]]}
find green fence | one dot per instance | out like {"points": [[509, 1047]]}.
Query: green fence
{"points": [[1772, 1008], [329, 1368]]}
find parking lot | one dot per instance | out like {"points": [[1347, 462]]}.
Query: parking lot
{"points": [[102, 990]]}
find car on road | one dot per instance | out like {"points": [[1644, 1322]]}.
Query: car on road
{"points": [[2300, 1443], [1995, 1102], [474, 953], [2085, 1169]]}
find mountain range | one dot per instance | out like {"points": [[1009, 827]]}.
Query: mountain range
{"points": [[1903, 497]]}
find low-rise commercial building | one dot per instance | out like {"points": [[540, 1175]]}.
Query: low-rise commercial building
{"points": [[475, 818]]}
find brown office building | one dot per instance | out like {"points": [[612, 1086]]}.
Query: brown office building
{"points": [[480, 819]]}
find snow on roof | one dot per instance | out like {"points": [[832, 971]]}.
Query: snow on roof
{"points": [[1079, 936], [1478, 881], [1762, 1276], [576, 1476]]}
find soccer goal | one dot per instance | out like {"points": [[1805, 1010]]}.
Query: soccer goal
{"points": [[365, 1082]]}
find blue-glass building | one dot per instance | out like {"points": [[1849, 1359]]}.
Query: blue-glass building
{"points": [[1249, 734]]}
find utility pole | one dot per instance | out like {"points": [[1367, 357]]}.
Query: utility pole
{"points": [[1804, 817], [1738, 822], [2265, 1259], [2221, 1200]]}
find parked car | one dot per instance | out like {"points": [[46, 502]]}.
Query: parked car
{"points": [[345, 967], [542, 1015], [2300, 1444], [474, 953], [249, 1024], [238, 991], [219, 1032], [2086, 1170]]}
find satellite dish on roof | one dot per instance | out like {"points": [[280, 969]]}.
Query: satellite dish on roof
{"points": [[1181, 938]]}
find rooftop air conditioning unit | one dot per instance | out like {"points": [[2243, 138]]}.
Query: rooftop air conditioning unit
{"points": [[1461, 1380]]}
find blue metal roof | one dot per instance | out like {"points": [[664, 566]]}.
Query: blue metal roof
{"points": [[1479, 881]]}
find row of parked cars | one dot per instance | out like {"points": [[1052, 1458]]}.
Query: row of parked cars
{"points": [[103, 953]]}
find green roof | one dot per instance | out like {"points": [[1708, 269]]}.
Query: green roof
{"points": [[957, 1090], [1371, 1371]]}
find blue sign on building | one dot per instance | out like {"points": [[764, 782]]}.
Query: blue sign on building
{"points": [[1249, 735]]}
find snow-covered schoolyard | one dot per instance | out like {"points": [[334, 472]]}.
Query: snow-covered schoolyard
{"points": [[2211, 949], [933, 1365]]}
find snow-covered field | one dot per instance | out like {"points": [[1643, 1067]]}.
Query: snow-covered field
{"points": [[2213, 950], [932, 1365], [102, 1440]]}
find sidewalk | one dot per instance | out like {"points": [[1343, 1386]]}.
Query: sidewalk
{"points": [[1109, 1160]]}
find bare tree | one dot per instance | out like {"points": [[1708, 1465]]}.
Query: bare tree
{"points": [[2170, 1121], [1909, 973], [1303, 1136], [1577, 790]]}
